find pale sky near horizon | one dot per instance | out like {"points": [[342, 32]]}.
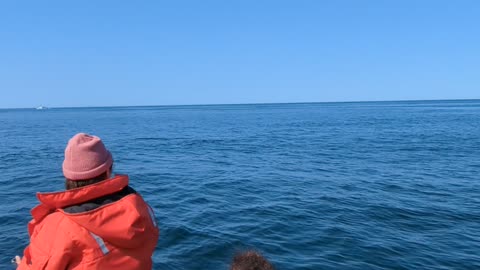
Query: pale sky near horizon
{"points": [[114, 53]]}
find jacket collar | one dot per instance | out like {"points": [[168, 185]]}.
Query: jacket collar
{"points": [[51, 201]]}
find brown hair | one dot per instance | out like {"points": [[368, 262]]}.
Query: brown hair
{"points": [[250, 260], [71, 184]]}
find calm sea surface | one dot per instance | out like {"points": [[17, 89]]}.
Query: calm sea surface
{"points": [[374, 185]]}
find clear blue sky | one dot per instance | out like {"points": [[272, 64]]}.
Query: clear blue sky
{"points": [[94, 53]]}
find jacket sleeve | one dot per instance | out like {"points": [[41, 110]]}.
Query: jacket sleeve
{"points": [[58, 260], [50, 248]]}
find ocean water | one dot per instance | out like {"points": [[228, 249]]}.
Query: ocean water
{"points": [[373, 185]]}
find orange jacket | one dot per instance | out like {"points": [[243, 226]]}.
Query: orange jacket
{"points": [[101, 226]]}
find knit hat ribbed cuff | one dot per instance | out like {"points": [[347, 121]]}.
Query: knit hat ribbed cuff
{"points": [[72, 175]]}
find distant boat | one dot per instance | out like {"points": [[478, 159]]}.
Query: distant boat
{"points": [[41, 108]]}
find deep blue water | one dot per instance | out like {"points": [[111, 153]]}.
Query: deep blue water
{"points": [[374, 185]]}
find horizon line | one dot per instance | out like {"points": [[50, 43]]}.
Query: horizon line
{"points": [[233, 104]]}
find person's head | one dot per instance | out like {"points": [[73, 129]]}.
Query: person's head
{"points": [[86, 162], [250, 260]]}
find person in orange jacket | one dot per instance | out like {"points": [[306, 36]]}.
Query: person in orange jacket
{"points": [[99, 222]]}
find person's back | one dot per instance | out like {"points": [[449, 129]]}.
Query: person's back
{"points": [[98, 223]]}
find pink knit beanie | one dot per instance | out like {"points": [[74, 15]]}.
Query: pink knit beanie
{"points": [[85, 157]]}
